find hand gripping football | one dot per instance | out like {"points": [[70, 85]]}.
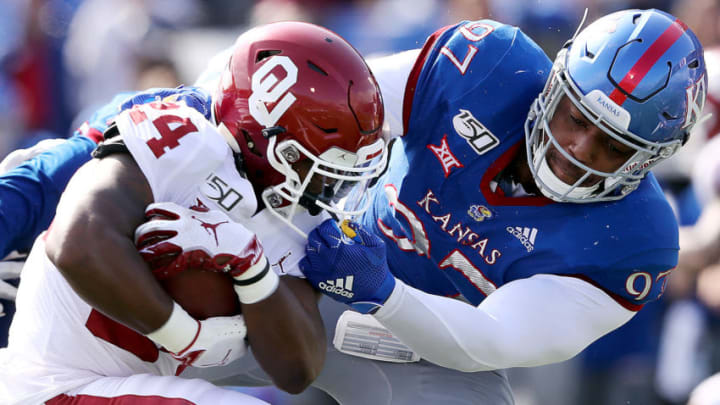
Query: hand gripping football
{"points": [[180, 263]]}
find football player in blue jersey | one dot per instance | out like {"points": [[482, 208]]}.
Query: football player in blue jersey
{"points": [[519, 221], [516, 180]]}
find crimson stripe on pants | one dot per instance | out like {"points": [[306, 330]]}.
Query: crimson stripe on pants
{"points": [[119, 400]]}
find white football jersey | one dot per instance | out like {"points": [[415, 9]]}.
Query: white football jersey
{"points": [[57, 341]]}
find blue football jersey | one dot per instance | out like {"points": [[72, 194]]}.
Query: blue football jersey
{"points": [[449, 231]]}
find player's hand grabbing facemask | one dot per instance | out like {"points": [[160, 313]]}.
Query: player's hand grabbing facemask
{"points": [[176, 238], [348, 264]]}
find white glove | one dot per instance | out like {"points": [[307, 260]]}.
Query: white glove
{"points": [[175, 238], [211, 342], [15, 158]]}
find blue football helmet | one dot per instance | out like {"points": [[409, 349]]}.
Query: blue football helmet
{"points": [[639, 75]]}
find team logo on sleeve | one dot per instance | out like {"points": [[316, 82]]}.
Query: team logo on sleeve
{"points": [[279, 263], [474, 132]]}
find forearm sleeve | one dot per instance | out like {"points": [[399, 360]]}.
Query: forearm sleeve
{"points": [[530, 322]]}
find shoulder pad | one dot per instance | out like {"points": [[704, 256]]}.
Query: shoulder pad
{"points": [[173, 144]]}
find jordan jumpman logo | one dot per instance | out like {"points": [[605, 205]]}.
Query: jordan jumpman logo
{"points": [[210, 227]]}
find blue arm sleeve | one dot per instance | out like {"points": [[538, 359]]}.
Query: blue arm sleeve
{"points": [[30, 192]]}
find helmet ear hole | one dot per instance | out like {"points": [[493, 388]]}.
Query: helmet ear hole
{"points": [[589, 54], [266, 54], [291, 154], [316, 68]]}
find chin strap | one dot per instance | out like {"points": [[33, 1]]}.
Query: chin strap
{"points": [[309, 204]]}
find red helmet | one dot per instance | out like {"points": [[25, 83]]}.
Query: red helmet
{"points": [[295, 92]]}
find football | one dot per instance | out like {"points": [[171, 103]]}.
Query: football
{"points": [[203, 294]]}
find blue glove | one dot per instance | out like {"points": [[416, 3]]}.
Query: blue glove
{"points": [[349, 265]]}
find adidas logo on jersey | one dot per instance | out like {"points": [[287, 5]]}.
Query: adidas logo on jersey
{"points": [[525, 235], [340, 286]]}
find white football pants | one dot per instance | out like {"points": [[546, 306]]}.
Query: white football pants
{"points": [[147, 389], [352, 380]]}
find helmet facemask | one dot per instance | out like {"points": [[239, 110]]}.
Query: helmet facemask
{"points": [[334, 181]]}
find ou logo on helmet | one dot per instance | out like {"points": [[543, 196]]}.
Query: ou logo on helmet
{"points": [[267, 88]]}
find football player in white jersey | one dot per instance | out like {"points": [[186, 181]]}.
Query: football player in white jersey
{"points": [[93, 323]]}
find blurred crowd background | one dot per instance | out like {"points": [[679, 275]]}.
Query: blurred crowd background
{"points": [[61, 59]]}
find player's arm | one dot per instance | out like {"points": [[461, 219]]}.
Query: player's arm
{"points": [[30, 190], [91, 243], [540, 320], [106, 204], [529, 322], [287, 335], [284, 326], [700, 243]]}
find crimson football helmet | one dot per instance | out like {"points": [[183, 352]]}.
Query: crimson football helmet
{"points": [[301, 107]]}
